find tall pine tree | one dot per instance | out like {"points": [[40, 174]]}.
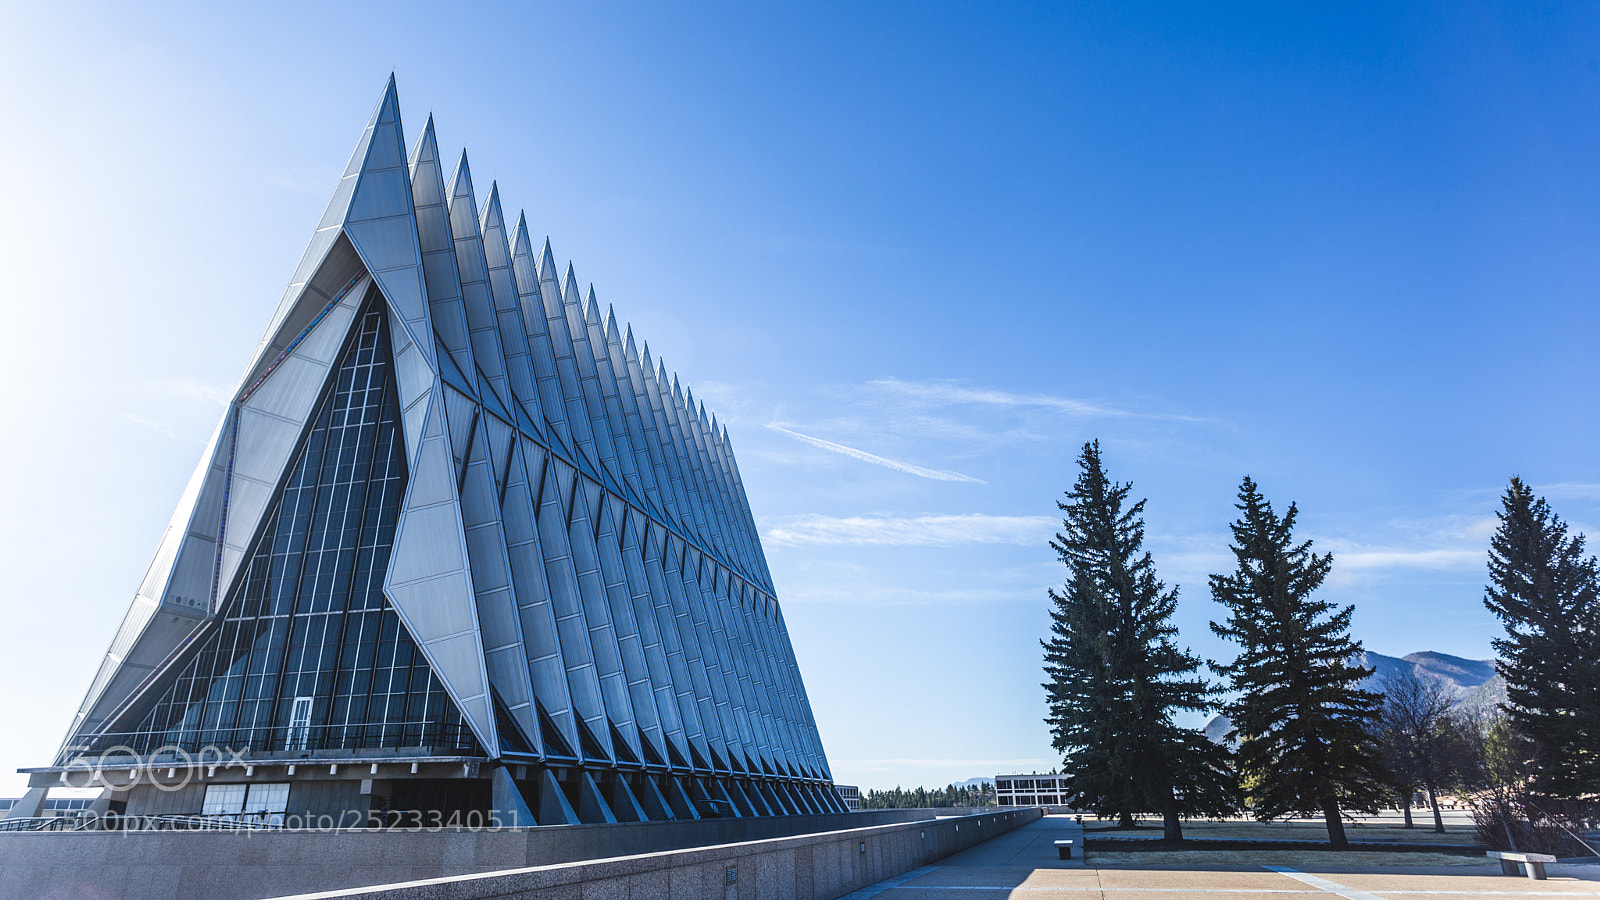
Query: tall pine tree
{"points": [[1116, 677], [1543, 589], [1303, 723]]}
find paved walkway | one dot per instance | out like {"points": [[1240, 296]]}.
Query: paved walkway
{"points": [[1023, 864]]}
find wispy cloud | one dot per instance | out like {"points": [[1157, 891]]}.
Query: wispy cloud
{"points": [[161, 428], [950, 392], [1454, 544], [1570, 490], [1350, 560], [905, 531], [1385, 558], [1446, 544], [193, 390], [864, 456], [866, 594], [1193, 566]]}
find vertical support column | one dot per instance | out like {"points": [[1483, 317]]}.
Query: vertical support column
{"points": [[506, 801], [678, 799], [592, 807], [31, 805], [625, 804], [652, 801], [554, 809]]}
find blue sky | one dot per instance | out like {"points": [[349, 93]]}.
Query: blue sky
{"points": [[913, 254]]}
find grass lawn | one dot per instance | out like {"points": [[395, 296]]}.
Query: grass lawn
{"points": [[1313, 860], [1386, 828]]}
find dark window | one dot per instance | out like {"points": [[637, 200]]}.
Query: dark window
{"points": [[308, 654]]}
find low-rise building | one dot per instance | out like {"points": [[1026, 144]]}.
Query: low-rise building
{"points": [[851, 795], [54, 806], [1030, 790]]}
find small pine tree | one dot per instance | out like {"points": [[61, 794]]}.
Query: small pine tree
{"points": [[1543, 589], [1116, 677], [1303, 723]]}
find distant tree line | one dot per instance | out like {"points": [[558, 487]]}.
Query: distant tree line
{"points": [[924, 798], [1308, 739]]}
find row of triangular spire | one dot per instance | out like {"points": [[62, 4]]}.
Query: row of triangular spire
{"points": [[704, 497]]}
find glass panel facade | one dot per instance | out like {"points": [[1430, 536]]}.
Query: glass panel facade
{"points": [[308, 654], [258, 804], [224, 799]]}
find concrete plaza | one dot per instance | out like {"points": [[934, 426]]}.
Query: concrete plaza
{"points": [[1023, 864]]}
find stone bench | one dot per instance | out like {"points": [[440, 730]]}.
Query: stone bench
{"points": [[1064, 849], [1532, 863]]}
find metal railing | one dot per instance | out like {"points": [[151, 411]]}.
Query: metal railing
{"points": [[432, 735], [83, 822], [261, 821]]}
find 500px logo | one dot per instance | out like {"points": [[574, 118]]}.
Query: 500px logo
{"points": [[182, 767], [410, 820]]}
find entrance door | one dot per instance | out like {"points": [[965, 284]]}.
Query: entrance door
{"points": [[300, 723]]}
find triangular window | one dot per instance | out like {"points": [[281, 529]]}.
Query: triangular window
{"points": [[651, 757], [512, 738], [307, 654], [554, 743], [676, 757], [624, 752], [591, 745]]}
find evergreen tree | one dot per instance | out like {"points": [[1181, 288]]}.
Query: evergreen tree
{"points": [[1303, 723], [923, 798], [1543, 589], [1115, 675], [1505, 756]]}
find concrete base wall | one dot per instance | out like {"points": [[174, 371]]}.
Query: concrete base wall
{"points": [[808, 867], [249, 865]]}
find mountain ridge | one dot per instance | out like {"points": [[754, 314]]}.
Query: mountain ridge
{"points": [[1475, 682]]}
